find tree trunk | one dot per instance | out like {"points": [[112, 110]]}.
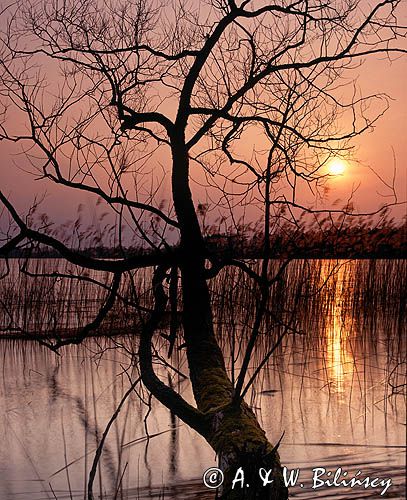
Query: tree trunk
{"points": [[232, 431]]}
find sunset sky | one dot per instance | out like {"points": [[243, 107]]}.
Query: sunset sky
{"points": [[380, 155]]}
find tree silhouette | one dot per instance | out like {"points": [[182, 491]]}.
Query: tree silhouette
{"points": [[246, 98]]}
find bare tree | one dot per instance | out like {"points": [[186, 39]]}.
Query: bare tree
{"points": [[243, 97]]}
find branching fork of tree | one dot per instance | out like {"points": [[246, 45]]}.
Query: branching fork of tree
{"points": [[247, 99]]}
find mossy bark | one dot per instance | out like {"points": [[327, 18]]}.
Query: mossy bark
{"points": [[230, 428], [244, 451]]}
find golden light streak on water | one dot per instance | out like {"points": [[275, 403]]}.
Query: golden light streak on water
{"points": [[339, 357]]}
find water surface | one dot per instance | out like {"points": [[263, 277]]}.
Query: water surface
{"points": [[334, 387]]}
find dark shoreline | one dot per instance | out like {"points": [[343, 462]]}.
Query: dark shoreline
{"points": [[392, 255]]}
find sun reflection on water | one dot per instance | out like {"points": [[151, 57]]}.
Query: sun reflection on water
{"points": [[339, 357]]}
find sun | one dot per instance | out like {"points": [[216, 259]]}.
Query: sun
{"points": [[337, 166]]}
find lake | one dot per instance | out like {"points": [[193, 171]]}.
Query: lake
{"points": [[335, 386]]}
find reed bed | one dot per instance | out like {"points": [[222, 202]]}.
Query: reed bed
{"points": [[316, 307], [51, 297], [368, 296]]}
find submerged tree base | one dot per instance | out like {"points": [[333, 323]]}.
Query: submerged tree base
{"points": [[245, 456]]}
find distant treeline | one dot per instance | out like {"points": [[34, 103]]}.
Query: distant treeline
{"points": [[333, 241]]}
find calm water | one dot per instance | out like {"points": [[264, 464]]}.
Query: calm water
{"points": [[335, 388]]}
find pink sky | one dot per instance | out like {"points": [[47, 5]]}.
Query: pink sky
{"points": [[376, 154]]}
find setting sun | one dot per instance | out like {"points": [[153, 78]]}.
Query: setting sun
{"points": [[337, 166]]}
